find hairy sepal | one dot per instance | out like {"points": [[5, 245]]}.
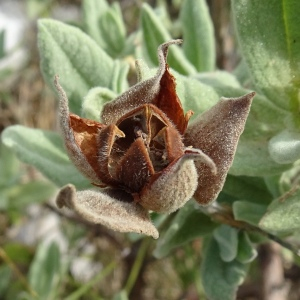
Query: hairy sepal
{"points": [[216, 132], [113, 209], [88, 134], [176, 184]]}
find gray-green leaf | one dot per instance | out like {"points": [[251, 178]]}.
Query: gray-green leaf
{"points": [[246, 251], [220, 279], [273, 51], [154, 34], [253, 189], [44, 273], [282, 215], [92, 12], [94, 101], [21, 195], [113, 30], [227, 239], [105, 25], [198, 35], [284, 148], [265, 120], [194, 94], [248, 212], [45, 151], [188, 224], [9, 166], [77, 59]]}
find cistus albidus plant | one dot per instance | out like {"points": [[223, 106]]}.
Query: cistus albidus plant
{"points": [[142, 151]]}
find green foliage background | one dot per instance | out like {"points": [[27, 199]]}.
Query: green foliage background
{"points": [[92, 62]]}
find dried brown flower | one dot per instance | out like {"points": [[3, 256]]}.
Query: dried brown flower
{"points": [[145, 157]]}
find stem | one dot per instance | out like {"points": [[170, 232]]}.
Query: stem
{"points": [[18, 273], [137, 265]]}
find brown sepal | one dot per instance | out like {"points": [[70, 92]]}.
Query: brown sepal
{"points": [[83, 136], [216, 132], [112, 209], [170, 189]]}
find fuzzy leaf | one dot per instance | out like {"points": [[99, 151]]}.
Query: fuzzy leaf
{"points": [[9, 166], [284, 148], [94, 101], [22, 195], [105, 25], [272, 182], [227, 239], [113, 30], [80, 62], [194, 94], [220, 279], [45, 151], [253, 189], [44, 271], [246, 251], [119, 82], [252, 158], [243, 74], [154, 34], [265, 120], [219, 79], [188, 224], [143, 72], [282, 215], [93, 10], [248, 212], [273, 51], [198, 35]]}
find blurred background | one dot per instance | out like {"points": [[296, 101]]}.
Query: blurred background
{"points": [[59, 255]]}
